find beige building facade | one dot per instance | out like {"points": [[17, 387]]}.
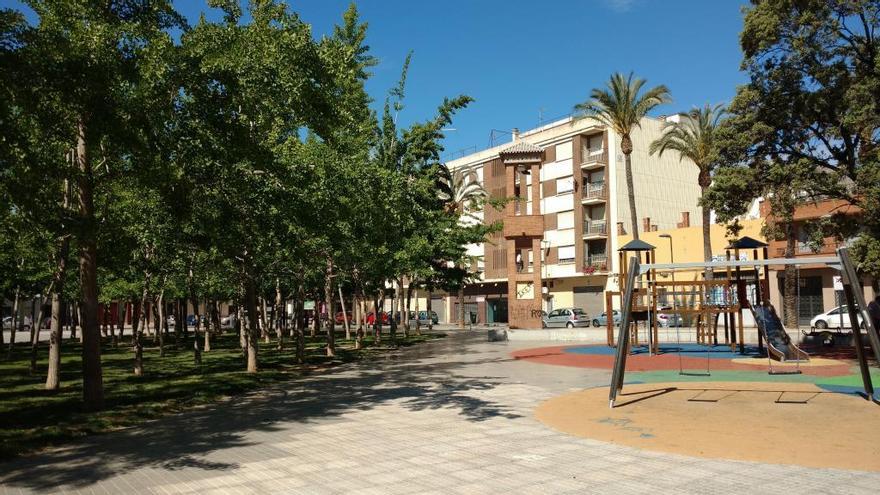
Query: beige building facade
{"points": [[580, 191]]}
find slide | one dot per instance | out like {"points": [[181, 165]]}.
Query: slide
{"points": [[779, 344]]}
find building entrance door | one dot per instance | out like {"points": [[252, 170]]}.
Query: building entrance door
{"points": [[497, 310]]}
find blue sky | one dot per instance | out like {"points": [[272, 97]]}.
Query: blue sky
{"points": [[523, 60]]}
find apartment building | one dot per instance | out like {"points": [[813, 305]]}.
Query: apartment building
{"points": [[568, 208], [819, 287]]}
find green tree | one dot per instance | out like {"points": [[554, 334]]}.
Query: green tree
{"points": [[620, 107]]}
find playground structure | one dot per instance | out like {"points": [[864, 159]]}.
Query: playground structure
{"points": [[708, 302], [740, 285]]}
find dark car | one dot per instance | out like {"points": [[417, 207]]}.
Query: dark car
{"points": [[191, 320]]}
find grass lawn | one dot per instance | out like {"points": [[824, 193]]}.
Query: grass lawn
{"points": [[32, 417]]}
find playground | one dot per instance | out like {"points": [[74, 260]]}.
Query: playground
{"points": [[709, 393]]}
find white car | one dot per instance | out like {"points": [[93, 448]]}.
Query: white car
{"points": [[227, 322], [836, 318], [24, 325]]}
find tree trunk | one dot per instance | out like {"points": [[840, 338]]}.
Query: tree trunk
{"points": [[299, 326], [197, 353], [120, 320], [252, 330], [379, 307], [418, 320], [278, 310], [210, 322], [242, 330], [53, 376], [360, 304], [344, 315], [35, 330], [35, 338], [161, 324], [264, 328], [328, 298], [630, 191], [705, 182], [17, 322], [409, 290], [461, 306], [429, 303], [139, 331], [93, 382], [789, 295]]}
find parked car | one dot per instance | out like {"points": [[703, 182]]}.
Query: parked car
{"points": [[371, 318], [836, 318], [24, 323], [602, 319], [423, 318], [228, 322], [191, 320], [669, 320], [567, 317], [340, 319]]}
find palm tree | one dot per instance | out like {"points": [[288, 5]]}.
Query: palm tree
{"points": [[693, 136], [620, 107], [457, 189]]}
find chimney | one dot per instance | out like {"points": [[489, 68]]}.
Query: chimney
{"points": [[646, 224], [620, 229], [685, 220], [514, 133]]}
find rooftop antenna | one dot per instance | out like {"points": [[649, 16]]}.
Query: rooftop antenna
{"points": [[540, 116]]}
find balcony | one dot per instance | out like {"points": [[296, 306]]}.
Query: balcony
{"points": [[594, 159], [594, 192], [596, 263], [595, 229]]}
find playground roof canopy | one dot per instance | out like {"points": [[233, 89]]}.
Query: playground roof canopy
{"points": [[636, 245], [746, 242]]}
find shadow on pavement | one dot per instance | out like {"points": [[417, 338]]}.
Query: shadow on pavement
{"points": [[419, 378]]}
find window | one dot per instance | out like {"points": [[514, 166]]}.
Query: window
{"points": [[563, 151], [566, 254], [553, 313], [565, 220], [593, 144], [564, 186]]}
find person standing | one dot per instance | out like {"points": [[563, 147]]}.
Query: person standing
{"points": [[874, 313]]}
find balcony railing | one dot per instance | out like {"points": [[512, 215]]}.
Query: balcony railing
{"points": [[595, 227], [596, 263], [593, 157], [595, 190]]}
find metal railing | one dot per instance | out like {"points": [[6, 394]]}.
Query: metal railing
{"points": [[598, 262], [594, 190], [595, 227], [592, 158]]}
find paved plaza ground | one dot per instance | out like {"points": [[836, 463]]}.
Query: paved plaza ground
{"points": [[455, 415]]}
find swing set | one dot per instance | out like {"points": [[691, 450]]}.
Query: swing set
{"points": [[724, 296]]}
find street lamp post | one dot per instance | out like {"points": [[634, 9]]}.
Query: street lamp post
{"points": [[671, 260]]}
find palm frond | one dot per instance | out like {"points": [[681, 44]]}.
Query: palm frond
{"points": [[621, 105], [693, 136]]}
